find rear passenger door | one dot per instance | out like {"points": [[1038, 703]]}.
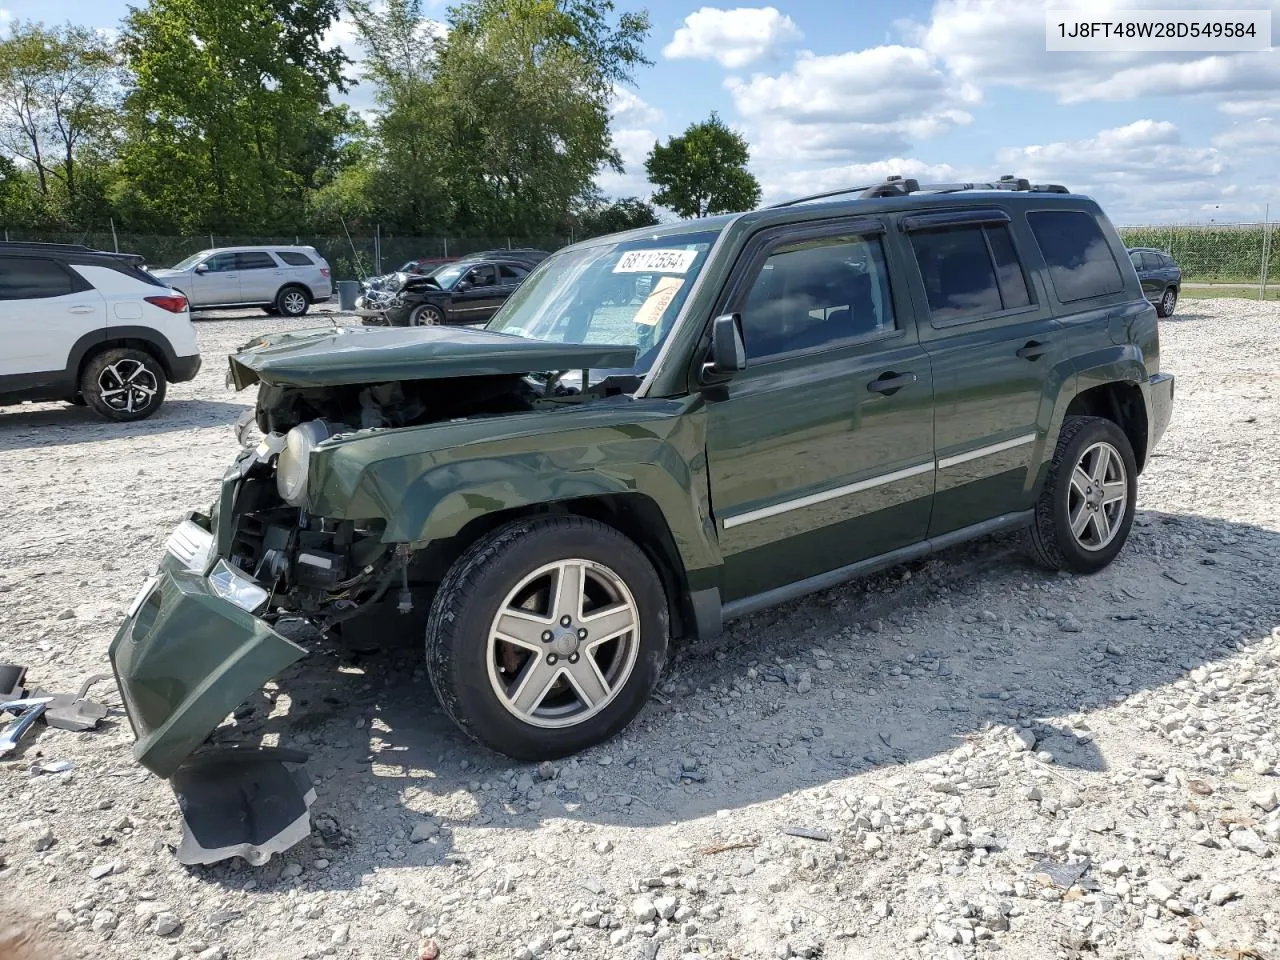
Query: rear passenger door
{"points": [[45, 307], [992, 343], [260, 276], [820, 452]]}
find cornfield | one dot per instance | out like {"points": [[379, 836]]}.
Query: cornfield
{"points": [[1215, 253]]}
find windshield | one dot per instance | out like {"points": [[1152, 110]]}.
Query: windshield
{"points": [[190, 261], [628, 292], [448, 275]]}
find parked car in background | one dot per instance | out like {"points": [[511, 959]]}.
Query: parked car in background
{"points": [[283, 280], [468, 291], [1160, 275], [90, 327]]}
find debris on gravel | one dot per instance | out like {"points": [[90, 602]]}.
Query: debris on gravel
{"points": [[960, 757]]}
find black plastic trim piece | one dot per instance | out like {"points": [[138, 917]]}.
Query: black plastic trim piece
{"points": [[951, 218]]}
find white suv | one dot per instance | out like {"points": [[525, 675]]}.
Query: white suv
{"points": [[90, 327], [284, 280]]}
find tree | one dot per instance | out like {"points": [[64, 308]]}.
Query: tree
{"points": [[600, 217], [703, 171], [59, 93], [229, 120]]}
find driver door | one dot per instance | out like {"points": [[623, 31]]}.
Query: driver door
{"points": [[482, 296], [218, 283]]}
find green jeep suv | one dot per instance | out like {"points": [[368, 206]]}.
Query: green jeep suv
{"points": [[659, 431]]}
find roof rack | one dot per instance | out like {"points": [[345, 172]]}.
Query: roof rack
{"points": [[897, 186], [65, 247], [70, 248]]}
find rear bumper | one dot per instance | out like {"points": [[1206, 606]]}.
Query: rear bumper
{"points": [[184, 368], [1160, 406], [184, 658]]}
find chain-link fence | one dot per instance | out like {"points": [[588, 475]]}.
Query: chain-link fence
{"points": [[349, 257], [1230, 254]]}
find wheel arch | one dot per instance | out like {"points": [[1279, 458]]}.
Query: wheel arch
{"points": [[294, 285], [137, 338], [1122, 403]]}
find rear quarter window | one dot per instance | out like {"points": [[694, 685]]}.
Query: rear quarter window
{"points": [[1080, 262], [32, 278], [295, 259]]}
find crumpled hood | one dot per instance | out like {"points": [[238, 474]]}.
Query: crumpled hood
{"points": [[327, 356]]}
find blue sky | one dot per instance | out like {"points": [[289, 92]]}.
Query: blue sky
{"points": [[837, 92]]}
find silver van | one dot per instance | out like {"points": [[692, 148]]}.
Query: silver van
{"points": [[283, 280]]}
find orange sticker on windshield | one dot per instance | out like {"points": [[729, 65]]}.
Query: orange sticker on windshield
{"points": [[655, 305]]}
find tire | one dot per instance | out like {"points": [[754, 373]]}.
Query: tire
{"points": [[426, 315], [123, 384], [477, 675], [1081, 443], [1168, 302], [292, 301]]}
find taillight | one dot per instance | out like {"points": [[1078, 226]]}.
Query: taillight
{"points": [[174, 304], [324, 272]]}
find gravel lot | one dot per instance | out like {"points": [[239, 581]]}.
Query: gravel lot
{"points": [[958, 758]]}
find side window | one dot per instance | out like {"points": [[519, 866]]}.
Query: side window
{"points": [[969, 271], [257, 260], [1080, 262], [221, 262], [511, 275], [482, 276], [27, 278], [294, 259], [811, 293], [1135, 257]]}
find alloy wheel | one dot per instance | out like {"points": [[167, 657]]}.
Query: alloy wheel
{"points": [[1098, 496], [563, 643], [294, 303], [1169, 301], [425, 317], [127, 386]]}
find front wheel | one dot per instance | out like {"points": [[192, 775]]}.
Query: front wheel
{"points": [[123, 384], [1085, 512], [547, 637], [1167, 303], [427, 315]]}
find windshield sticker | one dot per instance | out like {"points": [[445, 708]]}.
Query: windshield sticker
{"points": [[655, 305], [656, 261]]}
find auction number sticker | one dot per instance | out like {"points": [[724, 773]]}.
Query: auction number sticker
{"points": [[656, 261]]}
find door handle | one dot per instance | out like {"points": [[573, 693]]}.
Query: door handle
{"points": [[1032, 350], [81, 309], [890, 383]]}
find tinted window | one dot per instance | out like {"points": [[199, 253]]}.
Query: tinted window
{"points": [[1080, 262], [811, 293], [221, 263], [969, 271], [511, 274], [482, 276], [254, 261], [1167, 261], [1136, 259], [294, 259], [26, 278]]}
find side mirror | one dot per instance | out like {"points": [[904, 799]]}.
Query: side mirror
{"points": [[728, 354], [202, 268], [463, 286]]}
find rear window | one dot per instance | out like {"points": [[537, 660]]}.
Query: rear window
{"points": [[295, 259], [30, 278], [969, 271], [1079, 260]]}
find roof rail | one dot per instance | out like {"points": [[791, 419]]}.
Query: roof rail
{"points": [[67, 247], [897, 186]]}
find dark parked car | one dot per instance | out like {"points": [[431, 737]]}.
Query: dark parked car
{"points": [[468, 291], [663, 430], [1160, 275]]}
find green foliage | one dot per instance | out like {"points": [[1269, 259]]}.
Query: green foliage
{"points": [[1211, 254], [600, 217], [703, 171]]}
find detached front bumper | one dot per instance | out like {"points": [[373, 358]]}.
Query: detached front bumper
{"points": [[189, 652]]}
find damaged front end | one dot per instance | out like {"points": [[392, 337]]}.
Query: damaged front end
{"points": [[201, 635]]}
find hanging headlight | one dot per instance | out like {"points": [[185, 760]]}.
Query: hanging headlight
{"points": [[291, 468]]}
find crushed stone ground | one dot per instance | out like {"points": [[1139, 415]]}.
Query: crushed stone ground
{"points": [[958, 758]]}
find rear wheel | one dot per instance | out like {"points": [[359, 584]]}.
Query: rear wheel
{"points": [[292, 302], [1085, 512], [547, 636], [1167, 303], [123, 384]]}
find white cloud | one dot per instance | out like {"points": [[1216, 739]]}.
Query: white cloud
{"points": [[1251, 108], [991, 42], [629, 110], [734, 38], [1139, 172], [782, 183], [1258, 136], [858, 105], [634, 124]]}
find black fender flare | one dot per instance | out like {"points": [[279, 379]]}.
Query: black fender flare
{"points": [[97, 340]]}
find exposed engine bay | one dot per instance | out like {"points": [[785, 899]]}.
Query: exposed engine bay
{"points": [[327, 570]]}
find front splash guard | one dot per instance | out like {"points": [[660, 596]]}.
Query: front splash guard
{"points": [[242, 802]]}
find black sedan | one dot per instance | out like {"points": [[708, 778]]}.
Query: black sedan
{"points": [[1160, 275], [468, 291]]}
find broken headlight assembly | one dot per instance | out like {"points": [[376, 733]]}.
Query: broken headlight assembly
{"points": [[291, 467], [232, 585]]}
